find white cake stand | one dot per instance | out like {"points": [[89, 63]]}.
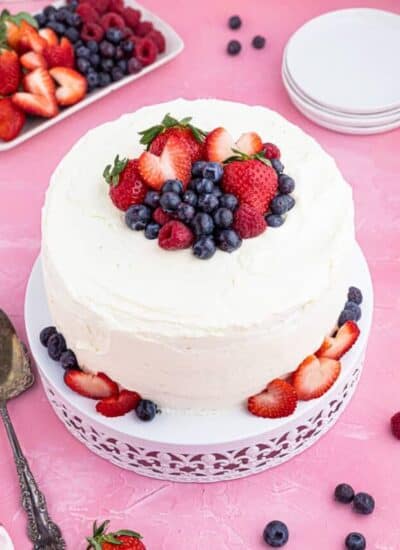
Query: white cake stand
{"points": [[188, 447]]}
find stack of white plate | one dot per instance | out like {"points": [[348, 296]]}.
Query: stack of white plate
{"points": [[342, 70]]}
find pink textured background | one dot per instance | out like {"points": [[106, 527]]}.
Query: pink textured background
{"points": [[228, 516]]}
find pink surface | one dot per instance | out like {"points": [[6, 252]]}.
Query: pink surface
{"points": [[228, 516]]}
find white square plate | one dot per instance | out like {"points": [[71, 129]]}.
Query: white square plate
{"points": [[174, 46]]}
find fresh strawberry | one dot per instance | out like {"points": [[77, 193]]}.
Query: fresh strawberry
{"points": [[271, 151], [118, 405], [249, 143], [126, 186], [395, 425], [315, 376], [12, 119], [88, 13], [39, 99], [220, 145], [174, 163], [50, 36], [73, 85], [120, 540], [161, 217], [60, 55], [95, 386], [279, 399], [12, 33], [146, 51], [10, 72], [252, 181], [248, 222], [131, 16], [39, 82], [334, 347], [30, 39], [157, 136], [159, 40], [175, 235], [33, 60]]}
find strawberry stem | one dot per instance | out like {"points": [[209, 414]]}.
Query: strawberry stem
{"points": [[111, 173], [240, 156], [100, 536], [149, 135]]}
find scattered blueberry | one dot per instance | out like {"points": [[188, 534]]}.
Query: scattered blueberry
{"points": [[346, 315], [277, 166], [274, 220], [355, 309], [223, 218], [92, 79], [344, 493], [173, 185], [106, 49], [233, 47], [127, 46], [114, 35], [46, 333], [234, 22], [137, 216], [170, 201], [146, 410], [92, 45], [190, 197], [363, 503], [355, 295], [134, 66], [117, 73], [213, 171], [197, 168], [228, 201], [276, 534], [203, 224], [152, 199], [83, 51], [203, 185], [152, 230], [185, 212], [228, 240], [68, 360], [258, 42], [279, 204], [83, 65], [207, 202], [104, 79], [56, 345], [72, 34], [204, 248], [355, 541], [286, 184], [107, 65]]}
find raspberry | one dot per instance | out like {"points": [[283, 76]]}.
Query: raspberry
{"points": [[175, 235], [112, 19], [92, 31], [88, 13], [395, 425], [116, 5], [159, 40], [146, 51], [142, 29], [131, 17], [248, 222], [271, 151], [102, 6], [127, 32], [161, 217]]}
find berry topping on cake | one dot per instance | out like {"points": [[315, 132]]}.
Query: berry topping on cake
{"points": [[315, 376], [204, 248], [146, 410], [248, 222], [175, 235], [12, 119], [334, 347], [95, 386], [271, 151], [395, 425], [161, 217], [126, 185], [220, 145], [87, 13], [137, 217], [118, 405], [279, 399], [120, 540]]}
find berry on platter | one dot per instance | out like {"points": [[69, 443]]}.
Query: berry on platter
{"points": [[12, 119], [10, 71], [45, 335], [279, 399], [72, 85], [395, 425], [118, 405], [315, 376], [355, 541], [146, 51], [33, 60], [363, 503], [39, 98], [276, 534], [344, 493], [94, 386], [124, 539], [334, 347], [56, 346], [220, 145], [126, 185], [60, 55], [146, 410], [68, 360]]}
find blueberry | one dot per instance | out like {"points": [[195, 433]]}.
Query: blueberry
{"points": [[185, 212], [204, 248], [127, 46], [274, 220], [355, 295], [114, 35], [152, 199], [228, 240], [117, 74], [223, 218], [258, 42], [78, 44], [73, 20], [346, 315], [228, 201], [123, 65], [58, 28], [276, 534], [290, 201], [217, 191], [363, 503], [175, 186], [107, 65], [233, 47], [104, 79], [190, 197], [355, 541], [49, 10], [277, 166], [72, 34], [355, 309], [107, 49], [203, 224], [204, 185], [92, 46], [146, 410], [279, 204], [83, 65], [152, 230], [286, 184], [213, 171], [344, 493], [93, 80], [94, 60], [197, 168], [41, 19], [56, 345], [234, 22], [61, 15], [137, 216], [68, 360], [207, 202], [170, 201], [46, 333], [83, 51], [134, 66], [73, 4]]}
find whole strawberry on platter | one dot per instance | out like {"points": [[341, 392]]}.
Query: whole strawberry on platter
{"points": [[124, 539]]}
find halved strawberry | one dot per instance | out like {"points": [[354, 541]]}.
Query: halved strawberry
{"points": [[279, 399], [73, 85], [29, 39], [50, 36], [12, 119], [33, 60], [334, 347], [315, 376], [118, 405], [60, 55], [39, 100], [174, 163], [10, 71], [12, 34], [95, 386], [249, 143], [220, 144], [39, 82]]}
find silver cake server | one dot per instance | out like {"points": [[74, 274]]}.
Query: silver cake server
{"points": [[16, 376]]}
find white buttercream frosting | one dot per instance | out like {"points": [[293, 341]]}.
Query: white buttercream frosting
{"points": [[189, 333]]}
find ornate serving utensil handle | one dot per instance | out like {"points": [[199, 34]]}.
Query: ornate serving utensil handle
{"points": [[43, 532]]}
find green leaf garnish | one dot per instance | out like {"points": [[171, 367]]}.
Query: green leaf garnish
{"points": [[112, 172], [149, 135]]}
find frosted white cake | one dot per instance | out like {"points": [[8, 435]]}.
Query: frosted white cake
{"points": [[191, 334]]}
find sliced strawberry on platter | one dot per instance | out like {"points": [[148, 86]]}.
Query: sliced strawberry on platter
{"points": [[39, 82], [126, 185], [39, 98], [12, 119], [220, 144], [32, 61], [279, 399], [174, 163], [72, 85], [334, 347], [30, 39], [95, 386], [10, 72], [12, 33], [50, 36], [118, 405], [60, 55], [315, 376]]}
